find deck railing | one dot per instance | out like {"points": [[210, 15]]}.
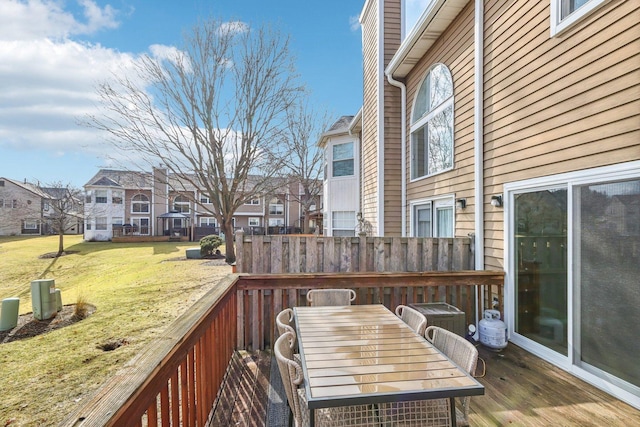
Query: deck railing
{"points": [[176, 379]]}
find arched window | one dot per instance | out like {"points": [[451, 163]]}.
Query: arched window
{"points": [[181, 204], [432, 124], [140, 204]]}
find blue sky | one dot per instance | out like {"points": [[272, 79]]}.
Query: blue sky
{"points": [[53, 52]]}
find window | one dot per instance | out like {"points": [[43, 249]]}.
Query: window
{"points": [[45, 205], [208, 221], [116, 197], [343, 223], [139, 204], [254, 222], [30, 224], [87, 197], [343, 159], [101, 223], [2, 183], [432, 218], [87, 225], [276, 207], [101, 196], [117, 220], [275, 222], [140, 225], [566, 13], [432, 124], [181, 204], [14, 204], [1, 203], [252, 202], [204, 199]]}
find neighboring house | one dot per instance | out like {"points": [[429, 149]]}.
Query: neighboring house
{"points": [[518, 123], [341, 184], [27, 209], [130, 203]]}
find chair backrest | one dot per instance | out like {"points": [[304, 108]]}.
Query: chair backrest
{"points": [[458, 349], [324, 297], [413, 318], [285, 323], [290, 372]]}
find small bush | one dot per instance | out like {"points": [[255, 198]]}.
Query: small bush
{"points": [[209, 244], [81, 309]]}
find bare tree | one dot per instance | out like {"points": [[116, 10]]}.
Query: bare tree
{"points": [[65, 210], [213, 113], [304, 159]]}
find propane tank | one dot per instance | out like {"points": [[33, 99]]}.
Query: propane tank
{"points": [[493, 331]]}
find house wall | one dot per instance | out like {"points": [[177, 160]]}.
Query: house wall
{"points": [[454, 49], [392, 201], [28, 206], [560, 104], [109, 210], [371, 81]]}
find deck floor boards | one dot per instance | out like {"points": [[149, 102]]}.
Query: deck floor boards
{"points": [[520, 390]]}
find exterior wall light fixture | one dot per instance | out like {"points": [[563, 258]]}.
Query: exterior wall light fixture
{"points": [[461, 203], [496, 201]]}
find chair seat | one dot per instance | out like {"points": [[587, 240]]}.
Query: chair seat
{"points": [[355, 415], [432, 412]]}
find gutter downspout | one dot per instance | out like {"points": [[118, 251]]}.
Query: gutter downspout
{"points": [[478, 132], [403, 155], [380, 118]]}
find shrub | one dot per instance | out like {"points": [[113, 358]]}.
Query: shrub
{"points": [[209, 244]]}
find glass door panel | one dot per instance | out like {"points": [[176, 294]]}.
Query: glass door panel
{"points": [[541, 267], [607, 268]]}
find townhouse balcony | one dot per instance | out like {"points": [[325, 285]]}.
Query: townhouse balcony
{"points": [[213, 365]]}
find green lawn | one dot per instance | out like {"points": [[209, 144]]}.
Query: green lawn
{"points": [[138, 290]]}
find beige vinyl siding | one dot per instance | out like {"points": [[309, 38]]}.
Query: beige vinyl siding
{"points": [[392, 127], [454, 49], [556, 105], [371, 77]]}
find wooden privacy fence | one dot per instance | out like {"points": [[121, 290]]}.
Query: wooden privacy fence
{"points": [[313, 254]]}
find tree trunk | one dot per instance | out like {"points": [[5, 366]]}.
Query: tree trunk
{"points": [[229, 236], [60, 243]]}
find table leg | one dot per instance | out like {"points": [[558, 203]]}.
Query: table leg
{"points": [[312, 417], [452, 404]]}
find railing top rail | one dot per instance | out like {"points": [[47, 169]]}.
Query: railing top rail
{"points": [[368, 279]]}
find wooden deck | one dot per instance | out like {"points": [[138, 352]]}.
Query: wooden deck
{"points": [[520, 390]]}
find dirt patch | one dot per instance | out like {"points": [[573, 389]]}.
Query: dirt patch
{"points": [[28, 326], [56, 255]]}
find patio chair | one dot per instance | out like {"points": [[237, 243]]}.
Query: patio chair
{"points": [[292, 378], [413, 318], [463, 353], [285, 323], [325, 297]]}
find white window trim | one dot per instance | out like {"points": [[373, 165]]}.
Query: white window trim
{"points": [[436, 201], [147, 202], [423, 120], [255, 219], [622, 171], [208, 218], [559, 25], [140, 218], [352, 158]]}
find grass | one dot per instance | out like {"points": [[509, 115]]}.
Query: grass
{"points": [[137, 289]]}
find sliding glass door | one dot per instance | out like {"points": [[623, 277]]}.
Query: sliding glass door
{"points": [[607, 278], [574, 278], [541, 267]]}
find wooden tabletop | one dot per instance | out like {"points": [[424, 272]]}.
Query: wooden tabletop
{"points": [[366, 354]]}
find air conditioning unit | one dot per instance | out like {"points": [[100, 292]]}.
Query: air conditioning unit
{"points": [[43, 298]]}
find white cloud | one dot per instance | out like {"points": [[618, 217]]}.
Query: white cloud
{"points": [[34, 19], [48, 80], [354, 23], [233, 27]]}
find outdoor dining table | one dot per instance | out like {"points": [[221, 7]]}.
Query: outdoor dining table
{"points": [[364, 354]]}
